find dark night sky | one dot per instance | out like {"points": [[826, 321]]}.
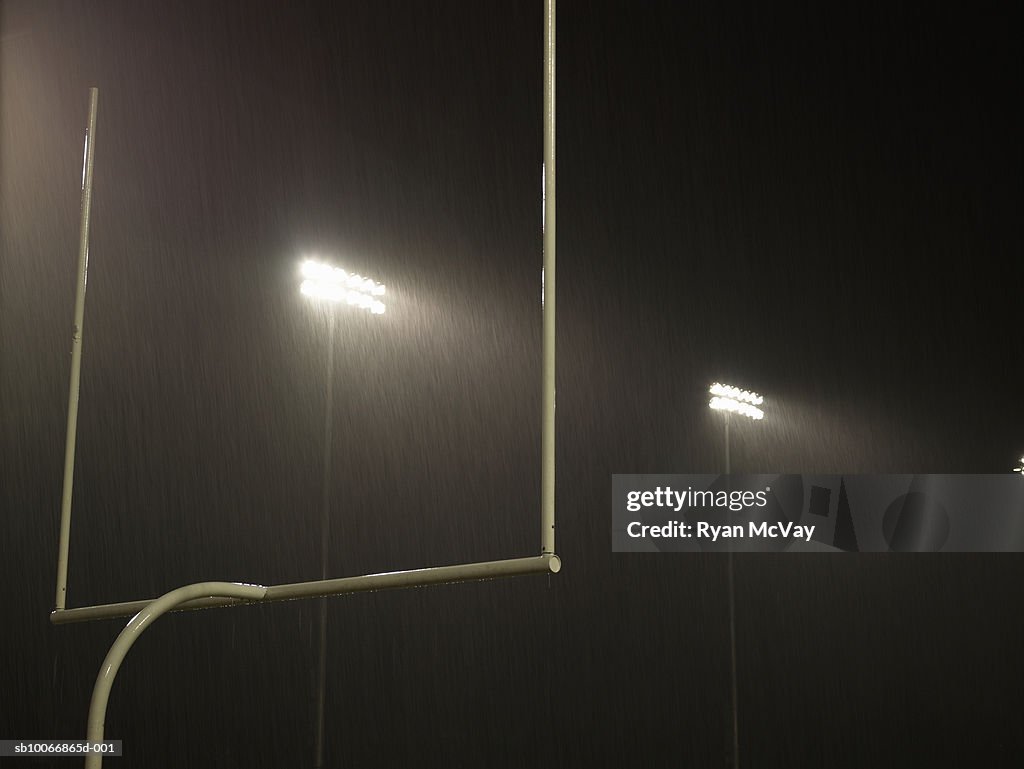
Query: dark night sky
{"points": [[822, 203]]}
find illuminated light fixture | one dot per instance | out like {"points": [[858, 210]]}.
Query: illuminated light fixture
{"points": [[734, 393], [1020, 468], [322, 281], [734, 400]]}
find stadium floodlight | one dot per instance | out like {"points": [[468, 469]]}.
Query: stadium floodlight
{"points": [[322, 281], [733, 400]]}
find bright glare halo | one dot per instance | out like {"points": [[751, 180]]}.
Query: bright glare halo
{"points": [[323, 281], [735, 393], [736, 407]]}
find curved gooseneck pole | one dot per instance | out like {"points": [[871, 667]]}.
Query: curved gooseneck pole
{"points": [[134, 628]]}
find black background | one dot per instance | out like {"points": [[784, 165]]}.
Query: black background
{"points": [[821, 202]]}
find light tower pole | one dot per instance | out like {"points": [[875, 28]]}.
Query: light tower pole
{"points": [[732, 400], [327, 283]]}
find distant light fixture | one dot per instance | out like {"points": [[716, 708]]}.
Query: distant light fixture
{"points": [[736, 401], [1020, 468], [322, 281]]}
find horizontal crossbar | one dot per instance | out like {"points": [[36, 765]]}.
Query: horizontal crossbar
{"points": [[436, 575]]}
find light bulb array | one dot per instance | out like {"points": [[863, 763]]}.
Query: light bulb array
{"points": [[323, 281]]}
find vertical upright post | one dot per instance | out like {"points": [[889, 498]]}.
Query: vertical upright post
{"points": [[76, 353], [547, 500]]}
